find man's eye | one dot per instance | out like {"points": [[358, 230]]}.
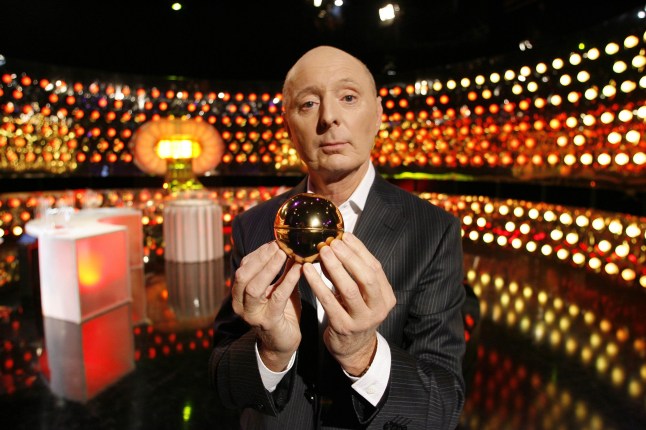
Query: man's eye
{"points": [[307, 105], [349, 98]]}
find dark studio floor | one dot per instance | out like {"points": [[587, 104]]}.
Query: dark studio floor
{"points": [[556, 349]]}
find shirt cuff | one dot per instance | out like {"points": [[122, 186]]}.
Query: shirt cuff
{"points": [[271, 379], [373, 384]]}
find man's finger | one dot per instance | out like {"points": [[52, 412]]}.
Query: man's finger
{"points": [[284, 288], [333, 308], [336, 271], [363, 268], [256, 272]]}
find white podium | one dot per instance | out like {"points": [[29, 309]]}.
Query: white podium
{"points": [[86, 271], [93, 220], [193, 231]]}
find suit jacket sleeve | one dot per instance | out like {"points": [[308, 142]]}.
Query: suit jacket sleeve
{"points": [[233, 369]]}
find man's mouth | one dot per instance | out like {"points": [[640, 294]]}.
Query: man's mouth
{"points": [[331, 146]]}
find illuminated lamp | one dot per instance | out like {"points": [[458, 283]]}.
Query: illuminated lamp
{"points": [[593, 54], [614, 138], [506, 159], [178, 149], [628, 86], [615, 227], [565, 80], [619, 67], [591, 93], [639, 61], [583, 76], [612, 48], [622, 250], [573, 97], [628, 275], [575, 59], [631, 41], [621, 159], [604, 159], [625, 116]]}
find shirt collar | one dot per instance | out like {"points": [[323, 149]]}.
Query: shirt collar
{"points": [[358, 198]]}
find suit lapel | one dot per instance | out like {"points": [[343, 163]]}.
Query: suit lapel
{"points": [[382, 221]]}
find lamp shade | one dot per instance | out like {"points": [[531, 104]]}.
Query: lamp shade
{"points": [[148, 136]]}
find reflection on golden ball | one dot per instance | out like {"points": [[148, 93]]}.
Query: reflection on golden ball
{"points": [[304, 223]]}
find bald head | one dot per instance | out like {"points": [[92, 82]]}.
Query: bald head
{"points": [[319, 57]]}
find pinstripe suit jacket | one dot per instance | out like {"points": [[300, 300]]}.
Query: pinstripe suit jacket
{"points": [[419, 247]]}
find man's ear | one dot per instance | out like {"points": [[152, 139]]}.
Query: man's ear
{"points": [[380, 111], [286, 122]]}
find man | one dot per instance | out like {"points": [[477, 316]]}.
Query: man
{"points": [[369, 337]]}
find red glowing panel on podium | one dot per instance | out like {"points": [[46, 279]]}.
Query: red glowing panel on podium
{"points": [[102, 265], [90, 269], [84, 271]]}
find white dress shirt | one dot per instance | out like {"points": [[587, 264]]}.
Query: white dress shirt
{"points": [[373, 383]]}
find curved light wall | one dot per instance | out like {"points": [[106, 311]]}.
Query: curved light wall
{"points": [[578, 114]]}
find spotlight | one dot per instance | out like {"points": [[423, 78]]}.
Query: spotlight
{"points": [[525, 45], [388, 13]]}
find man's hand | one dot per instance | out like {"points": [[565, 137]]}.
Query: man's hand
{"points": [[274, 310], [362, 300]]}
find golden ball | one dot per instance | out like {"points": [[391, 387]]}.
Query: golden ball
{"points": [[306, 222]]}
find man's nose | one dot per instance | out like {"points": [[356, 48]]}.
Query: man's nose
{"points": [[328, 113]]}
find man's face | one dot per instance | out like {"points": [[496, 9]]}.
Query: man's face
{"points": [[332, 112]]}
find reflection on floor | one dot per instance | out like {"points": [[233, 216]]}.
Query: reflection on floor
{"points": [[556, 349]]}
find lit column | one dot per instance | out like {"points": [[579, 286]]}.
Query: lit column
{"points": [[193, 230]]}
